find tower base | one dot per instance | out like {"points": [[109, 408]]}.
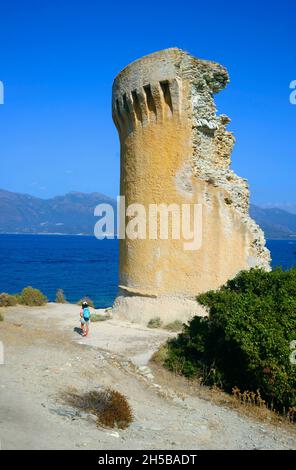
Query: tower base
{"points": [[141, 309]]}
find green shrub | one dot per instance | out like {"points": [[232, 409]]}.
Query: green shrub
{"points": [[154, 323], [7, 300], [86, 299], [245, 341], [32, 297], [1, 317], [60, 297]]}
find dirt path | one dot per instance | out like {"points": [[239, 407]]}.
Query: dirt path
{"points": [[45, 358]]}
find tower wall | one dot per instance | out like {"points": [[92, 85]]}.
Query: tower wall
{"points": [[176, 150]]}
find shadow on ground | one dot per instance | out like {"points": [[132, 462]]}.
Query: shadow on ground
{"points": [[78, 330]]}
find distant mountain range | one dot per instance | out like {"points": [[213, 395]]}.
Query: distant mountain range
{"points": [[276, 223], [284, 206], [73, 214]]}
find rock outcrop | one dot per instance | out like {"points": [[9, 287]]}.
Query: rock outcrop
{"points": [[175, 149]]}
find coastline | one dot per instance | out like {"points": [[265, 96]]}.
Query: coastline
{"points": [[49, 233], [292, 238]]}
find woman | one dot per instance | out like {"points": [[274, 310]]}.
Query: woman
{"points": [[84, 318]]}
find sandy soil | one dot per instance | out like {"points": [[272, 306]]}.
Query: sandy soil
{"points": [[45, 358]]}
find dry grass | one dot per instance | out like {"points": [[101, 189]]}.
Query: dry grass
{"points": [[110, 406], [192, 387], [160, 355], [249, 403], [254, 401], [174, 326], [98, 317]]}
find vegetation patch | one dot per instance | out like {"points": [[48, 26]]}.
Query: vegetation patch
{"points": [[245, 342], [155, 323], [174, 326], [32, 297], [160, 356], [60, 297], [110, 406], [98, 317], [7, 300], [86, 299], [228, 201]]}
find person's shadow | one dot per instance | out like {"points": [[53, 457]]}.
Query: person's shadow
{"points": [[78, 330]]}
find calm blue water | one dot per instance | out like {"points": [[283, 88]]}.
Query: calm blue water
{"points": [[283, 253], [80, 265]]}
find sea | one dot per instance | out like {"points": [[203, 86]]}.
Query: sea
{"points": [[80, 265]]}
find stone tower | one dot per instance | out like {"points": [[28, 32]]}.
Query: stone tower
{"points": [[175, 149]]}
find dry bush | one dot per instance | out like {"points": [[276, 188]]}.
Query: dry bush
{"points": [[110, 406], [154, 323], [60, 297], [86, 299], [116, 412], [1, 317], [32, 297], [7, 300]]}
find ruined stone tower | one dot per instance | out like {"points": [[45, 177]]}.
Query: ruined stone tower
{"points": [[176, 149]]}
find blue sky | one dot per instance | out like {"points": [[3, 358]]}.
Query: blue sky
{"points": [[58, 60]]}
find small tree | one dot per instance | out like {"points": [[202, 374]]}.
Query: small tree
{"points": [[60, 297]]}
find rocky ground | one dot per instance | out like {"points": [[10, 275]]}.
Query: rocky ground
{"points": [[45, 358]]}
